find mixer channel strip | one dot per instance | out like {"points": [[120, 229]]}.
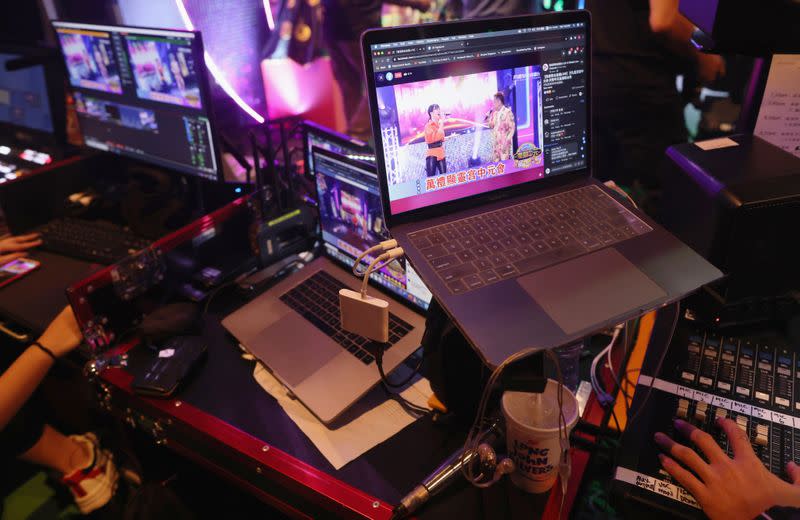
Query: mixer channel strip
{"points": [[706, 376]]}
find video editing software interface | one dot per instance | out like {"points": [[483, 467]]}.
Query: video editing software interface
{"points": [[140, 93], [447, 134], [24, 103], [351, 217]]}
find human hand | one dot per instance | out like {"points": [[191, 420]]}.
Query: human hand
{"points": [[727, 489], [4, 259], [710, 67], [63, 334], [19, 243]]}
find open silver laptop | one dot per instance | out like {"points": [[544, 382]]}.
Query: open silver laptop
{"points": [[483, 148], [294, 327]]}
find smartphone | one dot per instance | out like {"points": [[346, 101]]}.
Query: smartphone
{"points": [[16, 269]]}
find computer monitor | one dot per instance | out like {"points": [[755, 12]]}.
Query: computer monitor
{"points": [[351, 219], [329, 139], [24, 100], [142, 93]]}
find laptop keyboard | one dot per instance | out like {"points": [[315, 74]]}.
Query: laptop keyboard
{"points": [[482, 250], [317, 300]]}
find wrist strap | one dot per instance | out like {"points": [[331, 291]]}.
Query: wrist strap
{"points": [[44, 349]]}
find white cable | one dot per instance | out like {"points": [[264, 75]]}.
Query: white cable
{"points": [[386, 245], [378, 259], [602, 395], [393, 254], [384, 259], [614, 186], [610, 361], [471, 444]]}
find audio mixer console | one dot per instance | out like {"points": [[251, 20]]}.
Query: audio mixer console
{"points": [[752, 380]]}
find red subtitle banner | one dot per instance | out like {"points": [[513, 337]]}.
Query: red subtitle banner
{"points": [[448, 180]]}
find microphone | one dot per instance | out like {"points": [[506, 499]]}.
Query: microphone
{"points": [[447, 473]]}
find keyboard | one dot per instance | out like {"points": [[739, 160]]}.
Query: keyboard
{"points": [[93, 241], [478, 251], [317, 300]]}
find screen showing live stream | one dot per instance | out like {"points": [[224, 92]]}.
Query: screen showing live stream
{"points": [[472, 113], [139, 92], [351, 218]]}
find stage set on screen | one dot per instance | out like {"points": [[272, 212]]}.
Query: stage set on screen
{"points": [[90, 60], [447, 138], [164, 71], [352, 218]]}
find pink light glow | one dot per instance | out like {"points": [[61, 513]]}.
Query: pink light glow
{"points": [[294, 89], [268, 12], [216, 72]]}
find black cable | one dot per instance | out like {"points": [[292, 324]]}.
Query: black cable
{"points": [[405, 403], [214, 293], [660, 363], [616, 419], [653, 380], [384, 379], [387, 385]]}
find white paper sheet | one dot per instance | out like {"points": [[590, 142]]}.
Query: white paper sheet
{"points": [[368, 423], [713, 144], [779, 117]]}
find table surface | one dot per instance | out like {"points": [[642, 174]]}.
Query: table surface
{"points": [[35, 299], [226, 389]]}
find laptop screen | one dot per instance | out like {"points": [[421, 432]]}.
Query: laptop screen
{"points": [[23, 96], [351, 218], [467, 114], [331, 140]]}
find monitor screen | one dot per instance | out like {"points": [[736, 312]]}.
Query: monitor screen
{"points": [[331, 140], [23, 96], [465, 114], [351, 218], [142, 93]]}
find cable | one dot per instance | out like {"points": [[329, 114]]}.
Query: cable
{"points": [[471, 443], [616, 187], [658, 367], [405, 403], [388, 385], [384, 379], [603, 396], [377, 264], [610, 360], [214, 294], [383, 246]]}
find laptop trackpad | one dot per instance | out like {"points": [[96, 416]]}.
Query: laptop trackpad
{"points": [[591, 289], [293, 348]]}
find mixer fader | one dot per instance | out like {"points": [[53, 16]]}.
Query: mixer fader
{"points": [[704, 376]]}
